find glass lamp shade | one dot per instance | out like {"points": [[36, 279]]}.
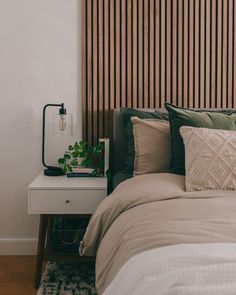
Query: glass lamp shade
{"points": [[62, 125]]}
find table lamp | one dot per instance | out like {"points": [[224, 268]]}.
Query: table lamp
{"points": [[62, 126]]}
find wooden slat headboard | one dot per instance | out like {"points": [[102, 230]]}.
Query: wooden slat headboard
{"points": [[141, 53]]}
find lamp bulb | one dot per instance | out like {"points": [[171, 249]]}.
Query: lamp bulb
{"points": [[62, 123]]}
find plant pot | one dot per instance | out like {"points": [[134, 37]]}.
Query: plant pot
{"points": [[80, 161]]}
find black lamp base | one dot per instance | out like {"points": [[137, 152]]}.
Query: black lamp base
{"points": [[53, 172]]}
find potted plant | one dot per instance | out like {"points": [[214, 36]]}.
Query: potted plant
{"points": [[82, 155]]}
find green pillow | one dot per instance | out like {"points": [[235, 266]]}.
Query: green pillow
{"points": [[224, 120], [127, 114]]}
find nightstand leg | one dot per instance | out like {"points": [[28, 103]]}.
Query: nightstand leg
{"points": [[40, 252]]}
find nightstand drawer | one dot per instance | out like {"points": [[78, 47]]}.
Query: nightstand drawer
{"points": [[63, 201]]}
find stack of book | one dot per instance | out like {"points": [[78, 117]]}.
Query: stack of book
{"points": [[80, 171]]}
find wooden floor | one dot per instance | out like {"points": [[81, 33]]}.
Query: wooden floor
{"points": [[17, 275]]}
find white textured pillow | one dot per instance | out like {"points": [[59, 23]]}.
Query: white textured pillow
{"points": [[210, 159], [152, 146]]}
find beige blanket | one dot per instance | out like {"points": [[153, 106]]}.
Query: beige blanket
{"points": [[151, 211]]}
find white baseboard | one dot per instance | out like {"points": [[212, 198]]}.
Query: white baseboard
{"points": [[18, 246]]}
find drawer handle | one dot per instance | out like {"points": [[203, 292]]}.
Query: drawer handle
{"points": [[67, 201]]}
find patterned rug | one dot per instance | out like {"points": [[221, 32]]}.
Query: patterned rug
{"points": [[68, 278]]}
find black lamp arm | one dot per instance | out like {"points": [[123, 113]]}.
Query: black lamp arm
{"points": [[43, 133]]}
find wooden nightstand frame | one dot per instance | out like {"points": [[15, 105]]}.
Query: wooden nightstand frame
{"points": [[45, 252]]}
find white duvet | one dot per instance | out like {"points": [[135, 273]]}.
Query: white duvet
{"points": [[189, 269]]}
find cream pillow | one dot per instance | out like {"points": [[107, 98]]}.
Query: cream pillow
{"points": [[152, 146], [210, 159]]}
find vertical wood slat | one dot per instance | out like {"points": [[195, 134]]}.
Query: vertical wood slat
{"points": [[207, 97], [135, 53], [111, 98], [180, 54], [224, 55], [191, 34], [152, 52], [117, 54], [163, 54], [233, 54], [146, 98], [213, 54], [196, 55], [202, 21], [129, 79], [123, 53], [106, 66], [89, 72], [141, 53], [229, 54], [219, 55], [174, 52], [185, 52], [101, 70], [157, 54], [84, 71], [168, 50], [95, 73]]}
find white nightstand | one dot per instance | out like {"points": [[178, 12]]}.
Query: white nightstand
{"points": [[62, 196]]}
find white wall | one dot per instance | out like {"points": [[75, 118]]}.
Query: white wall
{"points": [[40, 62]]}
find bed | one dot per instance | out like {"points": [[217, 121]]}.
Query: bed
{"points": [[151, 236]]}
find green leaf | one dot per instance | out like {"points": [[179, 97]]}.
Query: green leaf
{"points": [[108, 174], [97, 149], [75, 154], [82, 154], [85, 163], [67, 156], [69, 169], [82, 143], [61, 161], [74, 163]]}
